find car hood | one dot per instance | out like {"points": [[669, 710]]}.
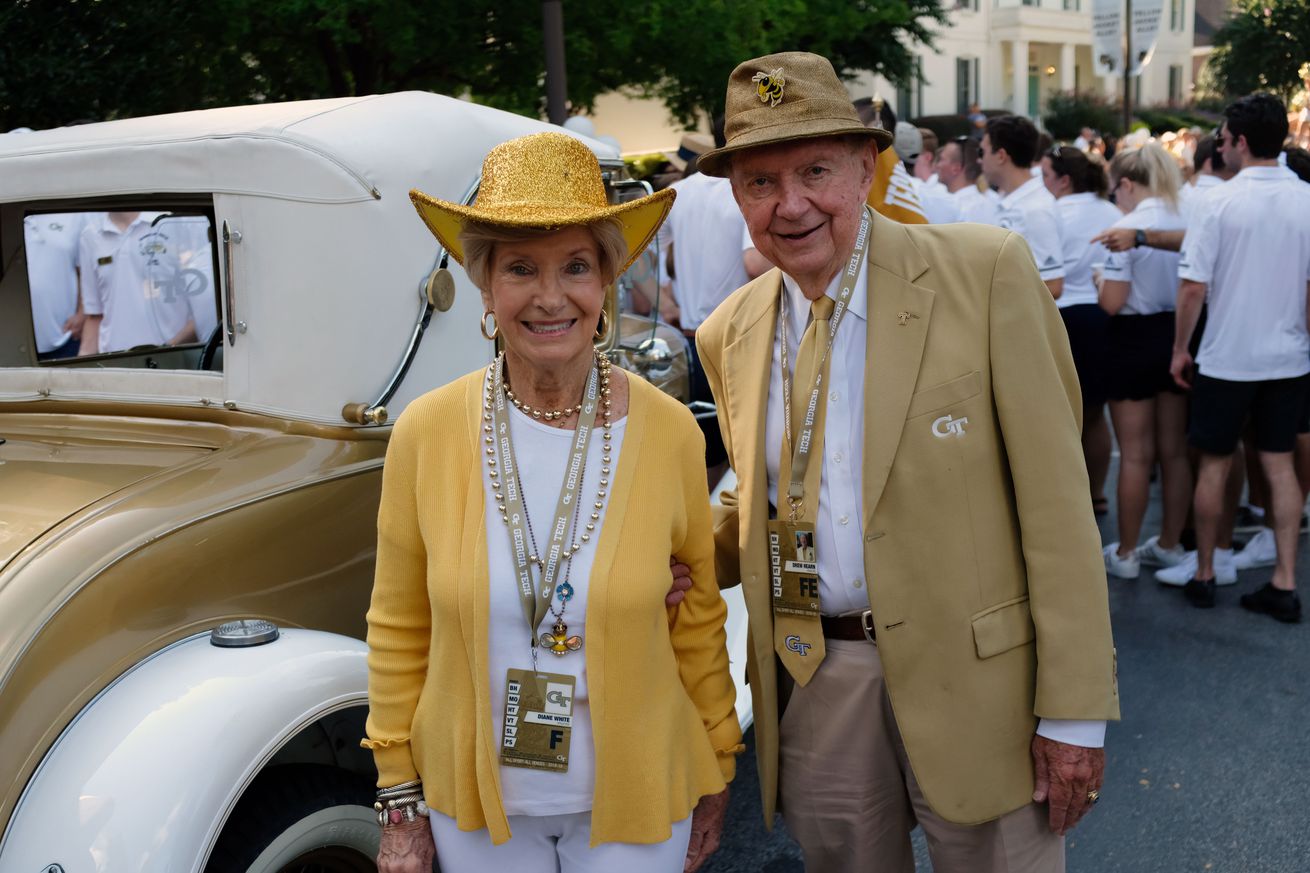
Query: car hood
{"points": [[47, 476]]}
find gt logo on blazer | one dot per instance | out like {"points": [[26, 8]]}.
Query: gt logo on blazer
{"points": [[794, 644], [947, 426]]}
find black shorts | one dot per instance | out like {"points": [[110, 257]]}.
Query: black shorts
{"points": [[1220, 409], [1138, 351], [1086, 325]]}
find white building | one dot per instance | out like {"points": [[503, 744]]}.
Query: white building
{"points": [[1013, 54], [1001, 54]]}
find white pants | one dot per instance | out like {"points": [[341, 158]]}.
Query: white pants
{"points": [[553, 844]]}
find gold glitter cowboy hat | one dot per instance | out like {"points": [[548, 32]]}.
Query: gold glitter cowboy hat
{"points": [[781, 98], [544, 180]]}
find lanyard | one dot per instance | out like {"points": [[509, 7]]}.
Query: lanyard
{"points": [[536, 602], [800, 448]]}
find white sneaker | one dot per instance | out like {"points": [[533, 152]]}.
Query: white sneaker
{"points": [[1124, 568], [1225, 570], [1260, 551], [1150, 554]]}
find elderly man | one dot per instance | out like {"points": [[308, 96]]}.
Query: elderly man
{"points": [[930, 637]]}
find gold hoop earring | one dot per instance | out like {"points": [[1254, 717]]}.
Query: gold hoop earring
{"points": [[495, 328], [602, 325]]}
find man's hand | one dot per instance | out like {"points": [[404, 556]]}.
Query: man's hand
{"points": [[1064, 776], [74, 324], [681, 582], [406, 848], [1117, 239], [706, 828], [1181, 368]]}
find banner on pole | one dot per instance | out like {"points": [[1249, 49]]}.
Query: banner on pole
{"points": [[1146, 30], [1108, 37]]}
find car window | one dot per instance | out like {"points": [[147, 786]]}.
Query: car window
{"points": [[123, 283]]}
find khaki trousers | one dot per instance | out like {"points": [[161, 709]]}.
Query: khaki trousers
{"points": [[849, 797]]}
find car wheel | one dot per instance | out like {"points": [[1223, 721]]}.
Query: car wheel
{"points": [[300, 819]]}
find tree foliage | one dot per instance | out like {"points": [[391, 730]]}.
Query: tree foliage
{"points": [[65, 60], [1261, 47]]}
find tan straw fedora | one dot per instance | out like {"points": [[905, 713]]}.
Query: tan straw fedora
{"points": [[784, 97], [544, 181]]}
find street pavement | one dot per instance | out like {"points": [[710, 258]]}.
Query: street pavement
{"points": [[1209, 770]]}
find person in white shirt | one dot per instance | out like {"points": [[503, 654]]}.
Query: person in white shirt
{"points": [[145, 282], [1247, 257], [1148, 410], [1209, 172], [705, 230], [1079, 187], [1009, 149], [50, 241], [958, 169]]}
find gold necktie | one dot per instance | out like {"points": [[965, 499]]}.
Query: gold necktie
{"points": [[802, 661]]}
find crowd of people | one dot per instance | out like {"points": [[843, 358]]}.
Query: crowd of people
{"points": [[1114, 227]]}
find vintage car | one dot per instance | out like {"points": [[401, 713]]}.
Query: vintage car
{"points": [[187, 508]]}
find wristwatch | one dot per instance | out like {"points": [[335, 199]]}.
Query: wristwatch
{"points": [[1139, 238]]}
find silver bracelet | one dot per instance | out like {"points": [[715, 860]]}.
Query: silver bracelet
{"points": [[406, 813], [402, 788]]}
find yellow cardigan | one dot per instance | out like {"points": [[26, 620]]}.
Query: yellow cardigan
{"points": [[662, 700]]}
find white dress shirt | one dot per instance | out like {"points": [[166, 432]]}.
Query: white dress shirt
{"points": [[975, 206], [839, 526]]}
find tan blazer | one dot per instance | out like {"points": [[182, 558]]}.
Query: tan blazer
{"points": [[981, 552]]}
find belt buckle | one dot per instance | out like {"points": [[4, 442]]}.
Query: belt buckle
{"points": [[866, 623]]}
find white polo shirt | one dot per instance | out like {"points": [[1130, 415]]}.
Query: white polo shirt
{"points": [[976, 206], [50, 241], [1029, 211], [705, 227], [1190, 195], [937, 203], [147, 281], [1251, 247], [839, 527], [1153, 273], [1082, 216]]}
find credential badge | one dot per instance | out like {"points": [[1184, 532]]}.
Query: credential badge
{"points": [[769, 86]]}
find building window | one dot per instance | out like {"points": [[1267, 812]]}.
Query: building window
{"points": [[1175, 84], [966, 5], [1072, 5], [1176, 9], [966, 84], [909, 97]]}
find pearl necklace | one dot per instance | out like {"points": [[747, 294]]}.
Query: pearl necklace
{"points": [[602, 488], [547, 414]]}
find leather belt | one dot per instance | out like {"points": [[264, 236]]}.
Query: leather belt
{"points": [[849, 627]]}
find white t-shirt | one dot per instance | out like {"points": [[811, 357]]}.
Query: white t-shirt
{"points": [[542, 453], [705, 226], [1190, 195], [1251, 246], [1082, 216], [1152, 273], [976, 206], [51, 243], [147, 281], [1029, 211]]}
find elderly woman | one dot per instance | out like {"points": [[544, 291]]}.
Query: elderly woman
{"points": [[530, 692]]}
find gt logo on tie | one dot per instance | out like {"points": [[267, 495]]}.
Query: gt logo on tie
{"points": [[947, 426], [794, 644]]}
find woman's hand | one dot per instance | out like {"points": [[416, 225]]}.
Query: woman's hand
{"points": [[407, 848], [706, 828]]}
